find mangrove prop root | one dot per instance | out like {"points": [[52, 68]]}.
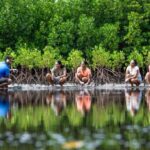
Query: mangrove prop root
{"points": [[37, 76]]}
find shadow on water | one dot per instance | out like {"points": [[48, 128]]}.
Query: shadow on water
{"points": [[80, 119]]}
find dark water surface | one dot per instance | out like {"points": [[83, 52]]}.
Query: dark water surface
{"points": [[82, 119]]}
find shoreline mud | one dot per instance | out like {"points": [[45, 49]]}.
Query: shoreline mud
{"points": [[69, 86]]}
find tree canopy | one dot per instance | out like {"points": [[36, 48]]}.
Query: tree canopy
{"points": [[56, 28]]}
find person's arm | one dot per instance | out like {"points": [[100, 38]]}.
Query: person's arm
{"points": [[52, 72], [64, 73], [89, 77], [127, 73], [7, 72], [78, 74]]}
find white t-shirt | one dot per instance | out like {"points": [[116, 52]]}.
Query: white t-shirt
{"points": [[133, 71]]}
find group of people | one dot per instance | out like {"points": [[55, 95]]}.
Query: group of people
{"points": [[83, 76], [58, 74], [133, 75]]}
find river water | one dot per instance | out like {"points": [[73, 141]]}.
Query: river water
{"points": [[75, 119]]}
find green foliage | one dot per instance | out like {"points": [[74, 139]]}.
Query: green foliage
{"points": [[133, 36], [49, 56], [100, 58], [24, 57], [117, 60], [1, 56], [86, 32], [148, 59], [109, 36], [136, 56], [74, 59], [67, 25]]}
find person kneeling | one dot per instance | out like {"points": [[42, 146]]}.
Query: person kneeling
{"points": [[133, 75], [147, 77], [5, 69], [83, 74], [58, 74]]}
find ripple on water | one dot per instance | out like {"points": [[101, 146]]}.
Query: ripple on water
{"points": [[92, 145], [25, 138], [1, 143], [42, 137], [99, 135], [10, 138], [38, 144], [117, 136], [59, 138]]}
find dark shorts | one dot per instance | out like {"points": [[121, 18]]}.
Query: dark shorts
{"points": [[56, 80], [3, 80]]}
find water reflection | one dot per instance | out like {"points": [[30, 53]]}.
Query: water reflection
{"points": [[147, 97], [4, 105], [57, 101], [133, 100], [106, 125], [83, 101]]}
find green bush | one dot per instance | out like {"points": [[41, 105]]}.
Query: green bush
{"points": [[28, 58], [137, 56], [109, 36], [49, 56], [74, 59], [100, 57], [148, 59], [1, 56], [117, 60]]}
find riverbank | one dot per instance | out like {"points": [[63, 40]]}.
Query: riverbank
{"points": [[70, 86]]}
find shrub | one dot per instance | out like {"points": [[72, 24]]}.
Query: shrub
{"points": [[27, 58], [137, 56], [100, 58], [49, 56], [1, 56], [74, 59], [118, 60], [148, 59]]}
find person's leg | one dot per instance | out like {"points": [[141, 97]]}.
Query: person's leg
{"points": [[49, 78], [147, 78], [85, 79], [78, 78], [62, 80], [4, 82], [127, 78], [135, 81]]}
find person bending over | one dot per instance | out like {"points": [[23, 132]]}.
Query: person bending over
{"points": [[58, 74], [5, 69], [147, 77], [83, 74], [133, 75]]}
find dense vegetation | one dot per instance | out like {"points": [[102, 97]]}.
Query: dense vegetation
{"points": [[108, 33]]}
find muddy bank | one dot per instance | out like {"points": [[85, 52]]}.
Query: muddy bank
{"points": [[69, 86]]}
